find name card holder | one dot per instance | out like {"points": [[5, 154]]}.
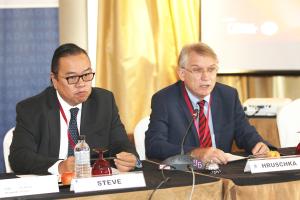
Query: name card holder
{"points": [[284, 163], [28, 186], [119, 181]]}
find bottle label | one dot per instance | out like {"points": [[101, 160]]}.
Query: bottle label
{"points": [[82, 157]]}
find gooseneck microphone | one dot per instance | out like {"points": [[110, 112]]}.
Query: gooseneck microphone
{"points": [[194, 116], [182, 161]]}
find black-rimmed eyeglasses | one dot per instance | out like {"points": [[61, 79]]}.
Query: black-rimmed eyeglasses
{"points": [[75, 79]]}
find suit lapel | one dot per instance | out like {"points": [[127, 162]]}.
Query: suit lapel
{"points": [[54, 123], [187, 114], [216, 117], [86, 117]]}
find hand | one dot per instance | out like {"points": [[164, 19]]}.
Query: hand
{"points": [[125, 161], [67, 165], [260, 148], [210, 154]]}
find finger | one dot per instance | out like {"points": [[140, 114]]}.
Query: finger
{"points": [[71, 158], [128, 157], [127, 163], [260, 148], [123, 168], [256, 148], [220, 159], [67, 166], [220, 156], [263, 149]]}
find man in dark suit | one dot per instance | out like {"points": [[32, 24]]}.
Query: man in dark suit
{"points": [[220, 121], [41, 141]]}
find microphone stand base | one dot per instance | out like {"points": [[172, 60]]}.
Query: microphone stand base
{"points": [[179, 162]]}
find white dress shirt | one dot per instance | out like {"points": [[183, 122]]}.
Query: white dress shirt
{"points": [[63, 150]]}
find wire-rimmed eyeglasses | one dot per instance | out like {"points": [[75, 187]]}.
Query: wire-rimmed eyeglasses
{"points": [[199, 71]]}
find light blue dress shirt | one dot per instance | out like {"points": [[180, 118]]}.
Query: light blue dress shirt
{"points": [[195, 101]]}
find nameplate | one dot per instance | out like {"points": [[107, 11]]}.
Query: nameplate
{"points": [[119, 181], [28, 186], [283, 163]]}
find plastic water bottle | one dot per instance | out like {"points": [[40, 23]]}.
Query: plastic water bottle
{"points": [[82, 158]]}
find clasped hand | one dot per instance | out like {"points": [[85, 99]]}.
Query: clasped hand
{"points": [[125, 161]]}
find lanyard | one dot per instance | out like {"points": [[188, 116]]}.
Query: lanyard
{"points": [[191, 109], [61, 110]]}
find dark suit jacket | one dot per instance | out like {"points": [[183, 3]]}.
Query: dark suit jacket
{"points": [[36, 139], [170, 117]]}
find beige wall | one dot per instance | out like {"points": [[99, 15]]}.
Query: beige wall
{"points": [[73, 22]]}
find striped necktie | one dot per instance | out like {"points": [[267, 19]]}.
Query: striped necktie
{"points": [[73, 130], [204, 132]]}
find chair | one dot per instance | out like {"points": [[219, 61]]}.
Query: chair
{"points": [[288, 123], [139, 136], [6, 145]]}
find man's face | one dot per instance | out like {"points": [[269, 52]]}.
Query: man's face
{"points": [[199, 74], [69, 66]]}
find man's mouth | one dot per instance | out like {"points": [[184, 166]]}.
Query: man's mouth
{"points": [[81, 93], [204, 86]]}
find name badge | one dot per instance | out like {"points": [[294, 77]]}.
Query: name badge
{"points": [[28, 186], [283, 163], [119, 181]]}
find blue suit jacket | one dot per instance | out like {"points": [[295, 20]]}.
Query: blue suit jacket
{"points": [[170, 117]]}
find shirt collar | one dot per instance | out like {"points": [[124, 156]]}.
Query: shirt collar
{"points": [[65, 105], [194, 99]]}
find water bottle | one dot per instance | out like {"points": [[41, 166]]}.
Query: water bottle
{"points": [[82, 158]]}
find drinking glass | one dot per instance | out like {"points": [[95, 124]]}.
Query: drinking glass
{"points": [[101, 167]]}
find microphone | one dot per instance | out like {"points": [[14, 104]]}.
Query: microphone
{"points": [[181, 161], [194, 116]]}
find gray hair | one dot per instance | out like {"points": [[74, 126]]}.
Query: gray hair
{"points": [[199, 48]]}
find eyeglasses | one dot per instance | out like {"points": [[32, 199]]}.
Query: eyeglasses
{"points": [[199, 71], [75, 79]]}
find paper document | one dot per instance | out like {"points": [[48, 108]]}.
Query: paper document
{"points": [[232, 157]]}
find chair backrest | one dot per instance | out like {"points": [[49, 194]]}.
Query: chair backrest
{"points": [[6, 145], [139, 136], [288, 123]]}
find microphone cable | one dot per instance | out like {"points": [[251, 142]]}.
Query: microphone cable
{"points": [[165, 179], [193, 184]]}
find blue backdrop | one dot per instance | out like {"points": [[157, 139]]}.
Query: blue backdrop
{"points": [[28, 38]]}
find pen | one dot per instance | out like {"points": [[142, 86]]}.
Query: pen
{"points": [[106, 158]]}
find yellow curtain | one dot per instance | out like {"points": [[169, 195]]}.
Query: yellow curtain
{"points": [[267, 86], [137, 48]]}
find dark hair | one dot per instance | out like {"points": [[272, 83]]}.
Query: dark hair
{"points": [[63, 51]]}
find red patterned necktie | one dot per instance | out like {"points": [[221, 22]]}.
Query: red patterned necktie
{"points": [[204, 133]]}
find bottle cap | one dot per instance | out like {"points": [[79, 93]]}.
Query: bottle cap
{"points": [[81, 137]]}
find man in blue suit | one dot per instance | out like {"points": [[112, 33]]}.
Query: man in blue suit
{"points": [[221, 119]]}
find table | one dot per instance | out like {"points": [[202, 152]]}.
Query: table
{"points": [[178, 187], [271, 185], [231, 184]]}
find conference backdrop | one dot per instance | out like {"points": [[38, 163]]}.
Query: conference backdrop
{"points": [[28, 38]]}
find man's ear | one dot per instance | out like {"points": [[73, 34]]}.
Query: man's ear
{"points": [[53, 78], [180, 72]]}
